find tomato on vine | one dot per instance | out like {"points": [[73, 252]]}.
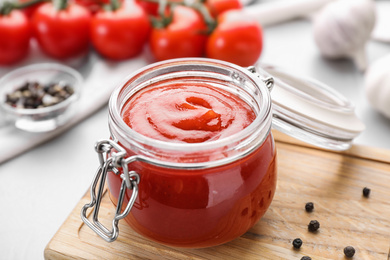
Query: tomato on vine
{"points": [[217, 7], [151, 8], [94, 5], [184, 34], [121, 32], [235, 39], [15, 33], [29, 6], [62, 30]]}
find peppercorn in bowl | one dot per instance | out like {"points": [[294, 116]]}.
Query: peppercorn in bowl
{"points": [[40, 97]]}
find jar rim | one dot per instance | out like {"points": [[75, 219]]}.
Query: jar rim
{"points": [[262, 120]]}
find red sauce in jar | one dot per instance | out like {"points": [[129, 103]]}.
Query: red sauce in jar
{"points": [[192, 113], [196, 207]]}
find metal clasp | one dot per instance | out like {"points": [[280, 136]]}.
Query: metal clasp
{"points": [[264, 76], [130, 180]]}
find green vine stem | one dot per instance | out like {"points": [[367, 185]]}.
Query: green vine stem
{"points": [[162, 5], [29, 3], [7, 6], [197, 5], [112, 6], [209, 20], [60, 4]]}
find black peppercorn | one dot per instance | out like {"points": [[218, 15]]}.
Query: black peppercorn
{"points": [[366, 192], [314, 225], [35, 95], [309, 206], [349, 251], [306, 258], [297, 243]]}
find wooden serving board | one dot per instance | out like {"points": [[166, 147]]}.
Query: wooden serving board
{"points": [[333, 181]]}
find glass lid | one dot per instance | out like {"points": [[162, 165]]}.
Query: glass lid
{"points": [[310, 110]]}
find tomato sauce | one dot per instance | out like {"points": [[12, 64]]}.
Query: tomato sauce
{"points": [[196, 207], [192, 113]]}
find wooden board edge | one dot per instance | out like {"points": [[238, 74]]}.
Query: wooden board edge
{"points": [[388, 242], [50, 252]]}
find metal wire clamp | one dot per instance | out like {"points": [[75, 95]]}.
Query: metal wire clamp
{"points": [[130, 180], [263, 75]]}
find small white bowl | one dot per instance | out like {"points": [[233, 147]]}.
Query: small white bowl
{"points": [[41, 119]]}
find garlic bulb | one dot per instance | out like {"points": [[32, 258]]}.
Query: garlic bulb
{"points": [[377, 85], [342, 28]]}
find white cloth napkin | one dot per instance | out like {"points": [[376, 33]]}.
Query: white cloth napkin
{"points": [[100, 78]]}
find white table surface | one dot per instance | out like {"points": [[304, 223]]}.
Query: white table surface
{"points": [[40, 188]]}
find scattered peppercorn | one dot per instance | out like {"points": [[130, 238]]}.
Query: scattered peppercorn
{"points": [[297, 243], [36, 95], [309, 206], [314, 225], [306, 258], [366, 192], [349, 251]]}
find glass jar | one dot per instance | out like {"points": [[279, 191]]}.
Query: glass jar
{"points": [[190, 194]]}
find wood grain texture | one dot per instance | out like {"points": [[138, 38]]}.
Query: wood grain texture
{"points": [[332, 181]]}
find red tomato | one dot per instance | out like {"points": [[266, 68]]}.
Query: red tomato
{"points": [[92, 5], [185, 36], [150, 8], [235, 39], [15, 36], [29, 11], [217, 7], [63, 33], [120, 34]]}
